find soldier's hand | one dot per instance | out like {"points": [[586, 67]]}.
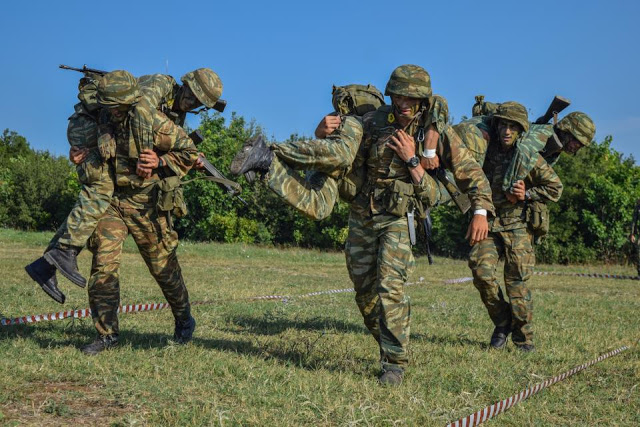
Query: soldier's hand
{"points": [[143, 172], [478, 229], [148, 159], [511, 198], [430, 163], [632, 238], [403, 144], [327, 125], [518, 190], [78, 155], [198, 164]]}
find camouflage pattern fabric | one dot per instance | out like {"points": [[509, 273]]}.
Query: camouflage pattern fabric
{"points": [[515, 247], [510, 239], [97, 183], [409, 80], [579, 125], [328, 158], [160, 91], [117, 88], [133, 211], [157, 244], [205, 85], [514, 112], [379, 261]]}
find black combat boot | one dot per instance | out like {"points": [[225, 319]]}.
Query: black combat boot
{"points": [[45, 275], [253, 156], [391, 376], [499, 337], [184, 330], [65, 259], [101, 343]]}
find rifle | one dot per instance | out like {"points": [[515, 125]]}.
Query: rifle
{"points": [[557, 105], [428, 228], [232, 188], [84, 70]]}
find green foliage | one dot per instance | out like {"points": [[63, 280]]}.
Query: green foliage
{"points": [[37, 190]]}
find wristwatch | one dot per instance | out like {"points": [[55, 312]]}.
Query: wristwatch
{"points": [[413, 162]]}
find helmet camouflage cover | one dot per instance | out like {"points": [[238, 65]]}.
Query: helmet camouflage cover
{"points": [[205, 85], [87, 90], [409, 80], [117, 88], [579, 125], [514, 112]]}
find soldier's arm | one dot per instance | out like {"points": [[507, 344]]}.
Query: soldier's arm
{"points": [[176, 150], [468, 174], [545, 183], [156, 87]]}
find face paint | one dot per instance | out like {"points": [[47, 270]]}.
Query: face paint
{"points": [[405, 107], [508, 133], [187, 100]]}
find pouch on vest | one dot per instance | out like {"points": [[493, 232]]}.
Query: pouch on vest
{"points": [[538, 220], [171, 197], [399, 195], [351, 184]]}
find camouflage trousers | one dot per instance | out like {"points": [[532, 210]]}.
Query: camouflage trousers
{"points": [[314, 195], [636, 255], [516, 248], [157, 244], [93, 200], [379, 260]]}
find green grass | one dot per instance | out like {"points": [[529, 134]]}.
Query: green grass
{"points": [[309, 361]]}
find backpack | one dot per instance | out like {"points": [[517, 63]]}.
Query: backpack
{"points": [[356, 99]]}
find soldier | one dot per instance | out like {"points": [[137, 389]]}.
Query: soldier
{"points": [[147, 151], [634, 234], [97, 187], [509, 236]]}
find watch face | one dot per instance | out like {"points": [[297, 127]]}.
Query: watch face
{"points": [[413, 162]]}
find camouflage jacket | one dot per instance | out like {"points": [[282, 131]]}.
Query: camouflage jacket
{"points": [[146, 127], [542, 184], [386, 174], [82, 130], [160, 91]]}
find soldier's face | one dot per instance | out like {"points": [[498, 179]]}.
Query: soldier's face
{"points": [[572, 145], [508, 132], [119, 112], [187, 100], [405, 106]]}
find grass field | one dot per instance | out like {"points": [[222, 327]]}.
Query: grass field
{"points": [[309, 361]]}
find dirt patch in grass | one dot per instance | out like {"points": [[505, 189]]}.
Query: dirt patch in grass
{"points": [[66, 403]]}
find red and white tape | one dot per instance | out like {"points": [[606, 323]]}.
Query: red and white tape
{"points": [[557, 273], [499, 407]]}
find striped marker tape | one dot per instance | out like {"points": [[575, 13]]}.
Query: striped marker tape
{"points": [[556, 273], [497, 408]]}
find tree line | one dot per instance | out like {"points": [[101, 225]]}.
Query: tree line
{"points": [[590, 223]]}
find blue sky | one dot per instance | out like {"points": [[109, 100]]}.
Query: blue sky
{"points": [[279, 59]]}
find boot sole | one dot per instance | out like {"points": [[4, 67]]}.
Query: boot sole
{"points": [[59, 298], [70, 277], [237, 165]]}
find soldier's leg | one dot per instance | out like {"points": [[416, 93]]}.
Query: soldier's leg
{"points": [[157, 243], [519, 263], [483, 261], [104, 284], [361, 252], [93, 200], [395, 263], [328, 155], [314, 198], [637, 256]]}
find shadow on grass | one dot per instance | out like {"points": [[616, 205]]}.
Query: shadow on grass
{"points": [[307, 352], [266, 325], [450, 340]]}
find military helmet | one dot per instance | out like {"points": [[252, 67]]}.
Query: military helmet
{"points": [[87, 90], [117, 88], [409, 80], [579, 125], [205, 85], [514, 112]]}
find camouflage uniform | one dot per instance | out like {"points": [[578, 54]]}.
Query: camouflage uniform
{"points": [[510, 238], [133, 208], [328, 158], [378, 250], [93, 173]]}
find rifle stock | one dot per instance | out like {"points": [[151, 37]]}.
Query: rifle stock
{"points": [[558, 104]]}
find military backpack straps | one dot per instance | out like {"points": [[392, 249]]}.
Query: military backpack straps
{"points": [[356, 99]]}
